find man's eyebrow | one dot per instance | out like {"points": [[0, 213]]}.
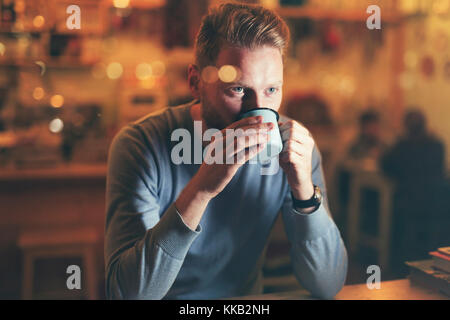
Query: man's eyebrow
{"points": [[241, 84], [277, 83]]}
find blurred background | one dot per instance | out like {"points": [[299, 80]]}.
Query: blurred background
{"points": [[377, 102]]}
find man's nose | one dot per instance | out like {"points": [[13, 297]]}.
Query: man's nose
{"points": [[252, 100]]}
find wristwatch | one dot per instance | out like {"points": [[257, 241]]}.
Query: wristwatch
{"points": [[314, 201]]}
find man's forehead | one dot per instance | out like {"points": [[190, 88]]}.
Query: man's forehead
{"points": [[232, 55], [258, 66]]}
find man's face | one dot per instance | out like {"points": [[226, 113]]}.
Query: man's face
{"points": [[258, 85]]}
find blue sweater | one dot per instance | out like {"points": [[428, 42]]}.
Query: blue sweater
{"points": [[151, 254]]}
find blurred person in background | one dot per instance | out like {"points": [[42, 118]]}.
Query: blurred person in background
{"points": [[368, 143], [362, 154], [416, 164]]}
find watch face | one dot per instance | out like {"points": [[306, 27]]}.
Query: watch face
{"points": [[317, 194]]}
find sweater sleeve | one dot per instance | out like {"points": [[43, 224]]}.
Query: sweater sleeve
{"points": [[319, 256], [143, 252]]}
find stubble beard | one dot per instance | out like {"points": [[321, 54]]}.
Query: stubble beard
{"points": [[210, 116]]}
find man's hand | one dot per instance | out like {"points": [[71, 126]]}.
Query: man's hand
{"points": [[248, 137], [295, 158]]}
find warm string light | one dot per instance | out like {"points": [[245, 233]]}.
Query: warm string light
{"points": [[19, 6], [56, 125], [143, 71], [148, 83], [121, 4], [210, 74], [38, 93], [228, 73], [114, 70], [57, 101], [38, 21]]}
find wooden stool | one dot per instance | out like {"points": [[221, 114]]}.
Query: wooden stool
{"points": [[71, 242]]}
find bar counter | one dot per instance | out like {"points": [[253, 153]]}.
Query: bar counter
{"points": [[71, 171]]}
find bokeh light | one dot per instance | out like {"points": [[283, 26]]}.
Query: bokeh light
{"points": [[18, 26], [38, 21], [19, 6], [56, 125], [2, 49], [210, 74], [143, 71], [114, 70], [121, 4], [23, 41], [228, 73], [57, 101], [38, 93], [148, 83]]}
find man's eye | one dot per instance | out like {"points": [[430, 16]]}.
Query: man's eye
{"points": [[272, 90], [237, 89]]}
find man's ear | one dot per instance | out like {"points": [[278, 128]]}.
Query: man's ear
{"points": [[194, 80]]}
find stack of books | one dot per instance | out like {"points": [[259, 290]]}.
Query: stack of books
{"points": [[433, 273]]}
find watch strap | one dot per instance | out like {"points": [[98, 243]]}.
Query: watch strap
{"points": [[314, 201]]}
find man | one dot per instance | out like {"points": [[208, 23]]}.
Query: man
{"points": [[416, 163], [193, 231], [368, 144], [363, 153]]}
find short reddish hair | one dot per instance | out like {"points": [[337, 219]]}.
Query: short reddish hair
{"points": [[240, 25]]}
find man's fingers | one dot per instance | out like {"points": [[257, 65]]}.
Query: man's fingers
{"points": [[240, 143], [297, 134], [293, 126], [228, 134], [291, 157], [247, 129], [245, 121], [244, 155], [294, 146]]}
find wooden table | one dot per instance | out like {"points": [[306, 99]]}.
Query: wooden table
{"points": [[55, 198], [390, 290]]}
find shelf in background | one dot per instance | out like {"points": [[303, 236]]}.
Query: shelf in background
{"points": [[353, 15], [48, 64]]}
